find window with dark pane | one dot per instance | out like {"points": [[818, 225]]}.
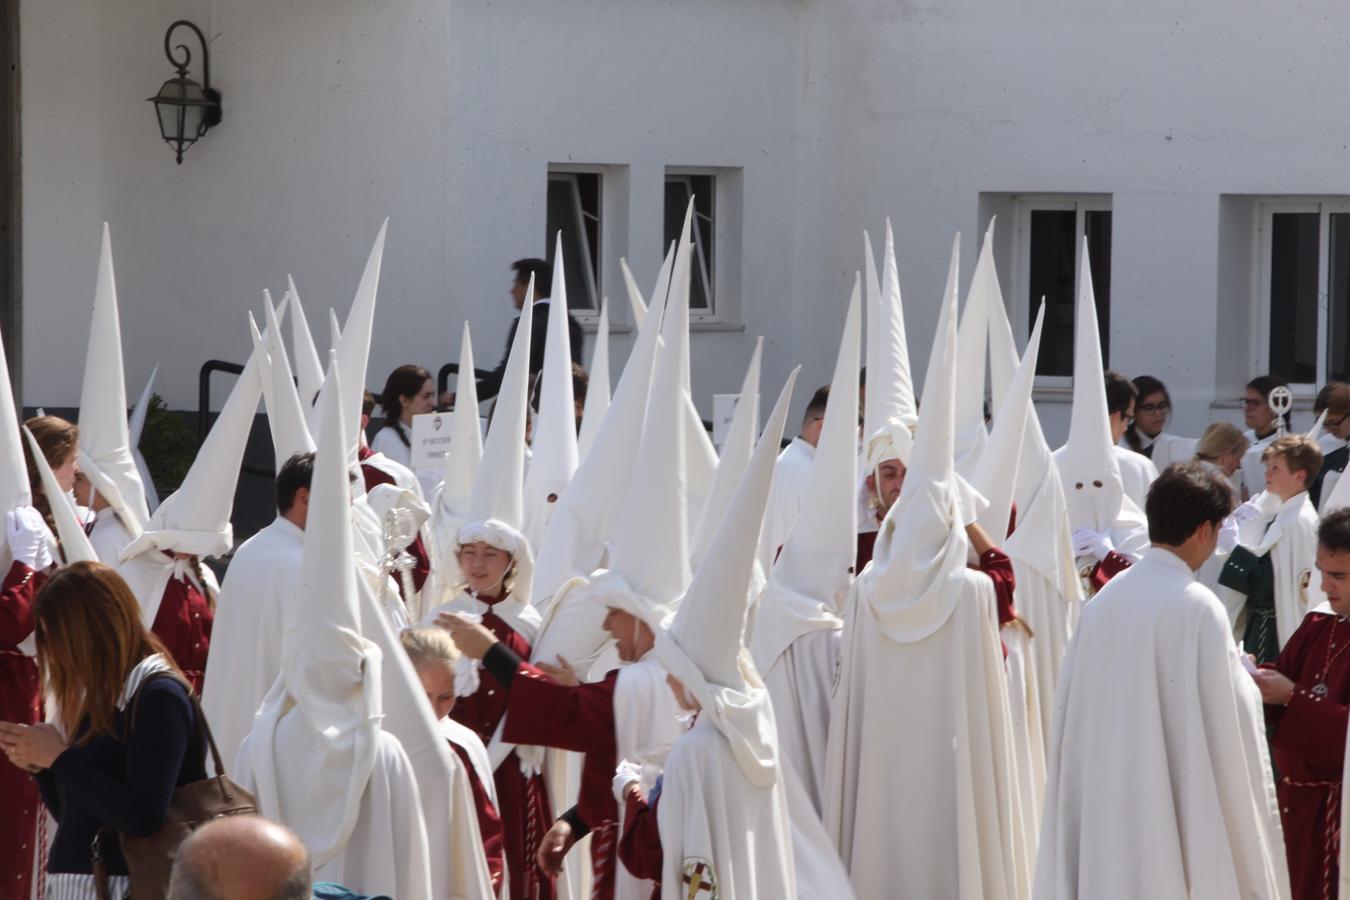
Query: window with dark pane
{"points": [[1338, 297], [1050, 277], [1293, 296], [574, 209], [1097, 226], [679, 188]]}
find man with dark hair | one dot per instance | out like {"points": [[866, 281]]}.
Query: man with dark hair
{"points": [[790, 475], [1333, 400], [542, 270], [1263, 427], [245, 639], [1136, 470], [241, 858], [1307, 696], [1150, 663]]}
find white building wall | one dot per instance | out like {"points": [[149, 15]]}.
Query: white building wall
{"points": [[445, 115]]}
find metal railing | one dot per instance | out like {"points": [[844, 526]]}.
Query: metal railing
{"points": [[209, 368]]}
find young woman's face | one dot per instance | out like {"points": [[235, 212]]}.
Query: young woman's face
{"points": [[66, 472], [424, 401], [1150, 413], [484, 566], [1256, 412]]}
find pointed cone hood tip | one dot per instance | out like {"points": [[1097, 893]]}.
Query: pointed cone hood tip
{"points": [[105, 439], [597, 390], [466, 436], [304, 354], [972, 341], [736, 452], [285, 410]]}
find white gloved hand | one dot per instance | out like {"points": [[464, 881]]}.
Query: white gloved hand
{"points": [[1228, 534], [1245, 513], [1090, 542], [29, 539], [625, 774]]}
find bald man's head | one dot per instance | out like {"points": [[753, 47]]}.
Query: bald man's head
{"points": [[241, 858]]}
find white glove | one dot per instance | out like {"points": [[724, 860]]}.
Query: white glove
{"points": [[626, 773], [1228, 534], [1090, 542], [1245, 513], [29, 539]]}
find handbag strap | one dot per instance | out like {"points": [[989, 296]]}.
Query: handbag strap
{"points": [[203, 727]]}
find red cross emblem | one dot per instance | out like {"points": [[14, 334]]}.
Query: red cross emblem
{"points": [[699, 880]]}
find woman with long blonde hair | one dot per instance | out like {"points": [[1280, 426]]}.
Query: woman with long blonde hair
{"points": [[126, 732]]}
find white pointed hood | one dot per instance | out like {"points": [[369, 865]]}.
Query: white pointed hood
{"points": [[586, 515], [872, 307], [1339, 498], [496, 510], [597, 391], [285, 411], [195, 519], [735, 457], [636, 305], [889, 384], [921, 545], [972, 339], [75, 546], [649, 560], [809, 583], [1316, 431], [1087, 463], [14, 489], [996, 475], [553, 442], [105, 440], [334, 329], [304, 354], [466, 437], [704, 645], [314, 743], [136, 427], [353, 347]]}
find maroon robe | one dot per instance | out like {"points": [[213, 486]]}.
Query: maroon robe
{"points": [[20, 702], [1110, 566], [867, 542], [640, 846], [183, 623], [1308, 749], [489, 821], [522, 802], [543, 713], [418, 548]]}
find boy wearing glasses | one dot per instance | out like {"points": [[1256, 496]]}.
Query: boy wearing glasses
{"points": [[1334, 400], [1137, 471]]}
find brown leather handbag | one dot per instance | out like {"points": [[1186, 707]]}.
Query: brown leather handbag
{"points": [[150, 859]]}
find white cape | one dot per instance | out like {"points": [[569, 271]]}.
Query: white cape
{"points": [[790, 476], [1159, 781], [245, 656], [801, 685], [716, 827], [921, 789]]}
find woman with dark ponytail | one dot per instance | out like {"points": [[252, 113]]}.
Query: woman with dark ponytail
{"points": [[1146, 435], [408, 391]]}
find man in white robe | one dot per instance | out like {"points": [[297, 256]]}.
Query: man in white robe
{"points": [[790, 475], [1159, 782]]}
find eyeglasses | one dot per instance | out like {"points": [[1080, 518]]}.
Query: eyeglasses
{"points": [[1162, 407], [1249, 403], [1336, 423]]}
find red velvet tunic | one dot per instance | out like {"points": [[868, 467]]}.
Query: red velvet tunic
{"points": [[418, 548], [1111, 566], [183, 623], [1308, 748], [489, 821], [543, 713], [867, 542], [20, 702], [640, 846], [522, 802]]}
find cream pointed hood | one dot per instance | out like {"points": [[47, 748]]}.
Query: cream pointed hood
{"points": [[996, 475], [285, 416], [649, 560], [587, 514], [597, 391], [704, 645], [1316, 431], [636, 305], [809, 583], [735, 457], [105, 440], [195, 519], [921, 545], [136, 426], [304, 354], [553, 441], [314, 744], [353, 347], [890, 388], [1087, 463], [75, 546], [496, 509], [466, 439], [972, 338], [14, 489]]}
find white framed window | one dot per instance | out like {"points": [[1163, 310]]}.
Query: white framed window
{"points": [[1049, 231], [1303, 300], [575, 207]]}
